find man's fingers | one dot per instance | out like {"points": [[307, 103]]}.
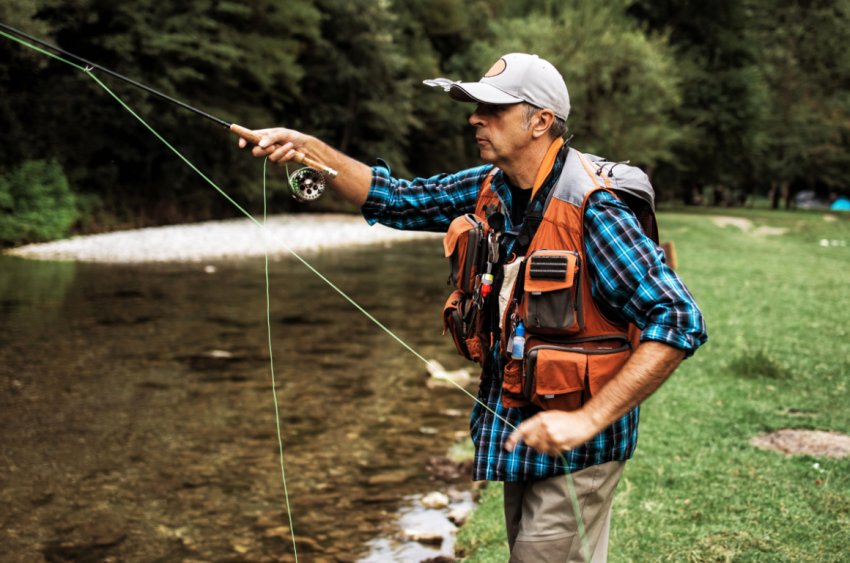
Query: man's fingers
{"points": [[282, 154], [278, 136], [259, 151], [242, 143], [513, 439], [536, 435]]}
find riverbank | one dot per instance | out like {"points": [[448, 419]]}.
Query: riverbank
{"points": [[778, 317], [217, 240]]}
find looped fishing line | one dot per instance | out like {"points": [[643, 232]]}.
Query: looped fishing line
{"points": [[266, 234]]}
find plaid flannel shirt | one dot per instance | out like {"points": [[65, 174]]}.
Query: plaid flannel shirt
{"points": [[628, 278]]}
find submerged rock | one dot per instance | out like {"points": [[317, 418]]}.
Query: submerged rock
{"points": [[459, 515], [393, 477], [431, 538], [435, 500], [442, 378], [445, 469]]}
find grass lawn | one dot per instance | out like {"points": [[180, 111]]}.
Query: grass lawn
{"points": [[778, 314]]}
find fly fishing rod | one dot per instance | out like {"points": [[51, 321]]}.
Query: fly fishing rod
{"points": [[307, 184]]}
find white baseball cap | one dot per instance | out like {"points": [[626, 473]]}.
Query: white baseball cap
{"points": [[515, 78]]}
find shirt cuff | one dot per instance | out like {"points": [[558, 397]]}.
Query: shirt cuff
{"points": [[379, 192], [672, 337]]}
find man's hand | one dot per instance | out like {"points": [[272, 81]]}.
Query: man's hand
{"points": [[278, 144], [552, 432]]}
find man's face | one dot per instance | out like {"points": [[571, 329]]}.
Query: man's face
{"points": [[500, 134]]}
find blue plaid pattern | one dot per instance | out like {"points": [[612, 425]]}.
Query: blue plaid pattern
{"points": [[628, 277]]}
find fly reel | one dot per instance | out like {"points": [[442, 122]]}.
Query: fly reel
{"points": [[307, 184]]}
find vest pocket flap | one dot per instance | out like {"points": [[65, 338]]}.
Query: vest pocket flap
{"points": [[459, 226], [550, 270], [558, 372], [512, 383], [454, 303]]}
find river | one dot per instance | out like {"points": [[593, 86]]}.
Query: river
{"points": [[137, 421]]}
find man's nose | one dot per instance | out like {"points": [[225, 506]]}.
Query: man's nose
{"points": [[475, 119]]}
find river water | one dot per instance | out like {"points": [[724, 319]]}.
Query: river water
{"points": [[137, 421]]}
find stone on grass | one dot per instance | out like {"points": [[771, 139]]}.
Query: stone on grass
{"points": [[812, 442]]}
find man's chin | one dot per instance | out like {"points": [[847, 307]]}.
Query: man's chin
{"points": [[487, 156]]}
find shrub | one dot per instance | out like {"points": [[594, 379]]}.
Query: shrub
{"points": [[36, 203], [757, 364]]}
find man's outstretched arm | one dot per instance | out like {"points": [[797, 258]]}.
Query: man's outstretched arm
{"points": [[280, 145], [553, 432]]}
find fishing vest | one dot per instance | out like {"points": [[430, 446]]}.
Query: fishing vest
{"points": [[572, 349]]}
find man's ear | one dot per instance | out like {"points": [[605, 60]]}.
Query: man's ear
{"points": [[542, 122]]}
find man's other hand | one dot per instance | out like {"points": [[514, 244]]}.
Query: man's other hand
{"points": [[553, 432], [279, 144]]}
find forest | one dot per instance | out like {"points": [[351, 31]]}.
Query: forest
{"points": [[733, 98]]}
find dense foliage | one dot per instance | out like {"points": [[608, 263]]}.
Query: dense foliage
{"points": [[35, 203], [747, 95]]}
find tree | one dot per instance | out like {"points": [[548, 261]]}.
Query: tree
{"points": [[623, 84], [723, 102], [804, 57]]}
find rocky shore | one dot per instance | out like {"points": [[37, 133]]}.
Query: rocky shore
{"points": [[216, 240]]}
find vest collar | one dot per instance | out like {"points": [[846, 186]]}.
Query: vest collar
{"points": [[546, 166]]}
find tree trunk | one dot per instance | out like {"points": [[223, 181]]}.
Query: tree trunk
{"points": [[719, 195], [786, 194], [774, 196]]}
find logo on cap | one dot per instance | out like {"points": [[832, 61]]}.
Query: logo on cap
{"points": [[497, 68]]}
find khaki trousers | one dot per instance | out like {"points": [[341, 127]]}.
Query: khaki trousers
{"points": [[540, 521]]}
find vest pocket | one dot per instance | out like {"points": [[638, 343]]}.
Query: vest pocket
{"points": [[552, 299], [563, 376], [464, 246], [602, 367], [461, 318], [555, 377], [512, 385]]}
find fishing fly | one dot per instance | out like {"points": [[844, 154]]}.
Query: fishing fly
{"points": [[307, 184]]}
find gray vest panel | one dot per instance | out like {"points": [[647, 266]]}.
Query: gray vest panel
{"points": [[574, 182]]}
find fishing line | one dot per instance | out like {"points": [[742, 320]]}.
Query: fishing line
{"points": [[271, 362], [267, 234]]}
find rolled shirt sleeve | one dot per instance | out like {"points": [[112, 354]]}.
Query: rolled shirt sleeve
{"points": [[423, 204], [631, 281]]}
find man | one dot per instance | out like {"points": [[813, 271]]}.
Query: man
{"points": [[523, 105]]}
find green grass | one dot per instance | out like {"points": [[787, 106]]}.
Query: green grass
{"points": [[778, 315]]}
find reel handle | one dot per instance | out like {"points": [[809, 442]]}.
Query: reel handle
{"points": [[300, 157]]}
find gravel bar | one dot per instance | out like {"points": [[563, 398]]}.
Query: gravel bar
{"points": [[236, 238]]}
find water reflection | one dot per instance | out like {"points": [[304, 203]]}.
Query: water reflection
{"points": [[136, 418], [31, 289]]}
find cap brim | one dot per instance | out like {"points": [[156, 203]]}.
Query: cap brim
{"points": [[480, 92]]}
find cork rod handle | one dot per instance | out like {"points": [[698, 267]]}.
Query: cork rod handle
{"points": [[300, 157]]}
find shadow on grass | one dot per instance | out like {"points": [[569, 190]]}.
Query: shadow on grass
{"points": [[751, 365]]}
